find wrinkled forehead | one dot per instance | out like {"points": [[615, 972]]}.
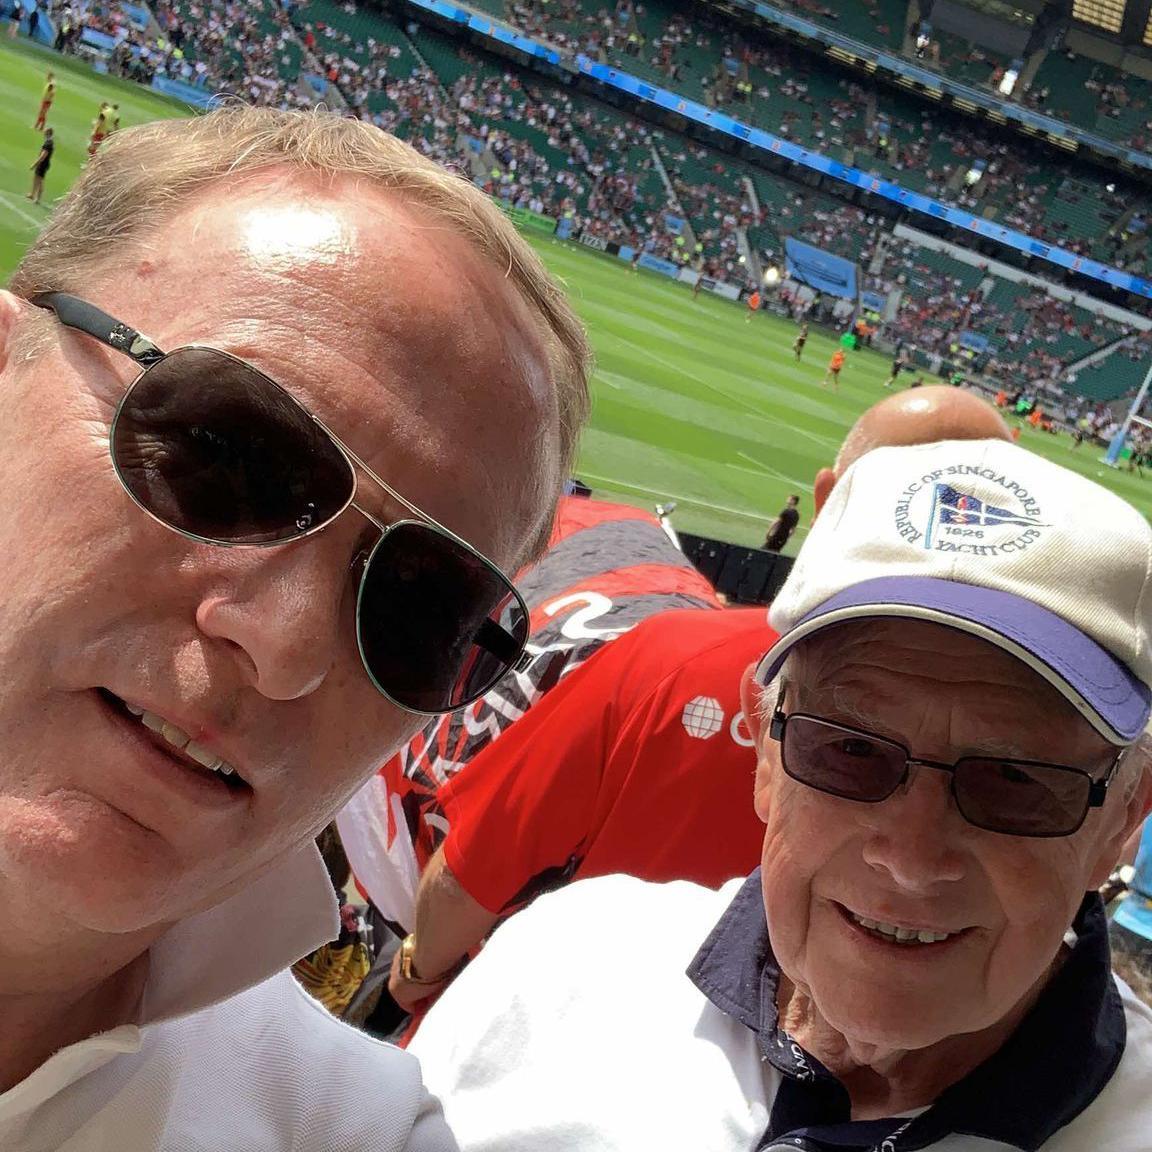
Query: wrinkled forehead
{"points": [[887, 660]]}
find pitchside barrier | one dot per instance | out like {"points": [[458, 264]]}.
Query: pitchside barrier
{"points": [[742, 575], [655, 264]]}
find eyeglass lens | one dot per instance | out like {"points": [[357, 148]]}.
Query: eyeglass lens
{"points": [[1014, 797], [215, 449], [423, 609]]}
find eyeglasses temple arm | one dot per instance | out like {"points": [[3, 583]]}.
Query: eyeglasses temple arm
{"points": [[503, 645], [79, 314], [1098, 792]]}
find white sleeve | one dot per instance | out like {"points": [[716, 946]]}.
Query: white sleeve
{"points": [[520, 1046], [487, 1048], [430, 1131]]}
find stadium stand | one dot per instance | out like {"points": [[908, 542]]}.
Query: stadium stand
{"points": [[1117, 374], [966, 61], [879, 22], [548, 148], [783, 90], [365, 52], [248, 48], [1094, 95], [765, 82]]}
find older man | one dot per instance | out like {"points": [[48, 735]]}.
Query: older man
{"points": [[243, 553], [944, 733], [648, 758]]}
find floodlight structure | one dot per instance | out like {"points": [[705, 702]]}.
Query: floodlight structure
{"points": [[1116, 446]]}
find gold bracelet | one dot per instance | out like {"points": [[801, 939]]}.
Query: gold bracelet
{"points": [[407, 969]]}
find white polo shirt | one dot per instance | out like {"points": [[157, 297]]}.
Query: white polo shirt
{"points": [[578, 1029], [230, 1054]]}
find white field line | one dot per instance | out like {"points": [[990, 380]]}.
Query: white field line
{"points": [[664, 494], [14, 204], [824, 441], [760, 466]]}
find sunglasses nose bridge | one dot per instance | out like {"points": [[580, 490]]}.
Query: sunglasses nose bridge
{"points": [[912, 767]]}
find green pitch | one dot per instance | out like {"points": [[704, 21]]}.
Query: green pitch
{"points": [[693, 401]]}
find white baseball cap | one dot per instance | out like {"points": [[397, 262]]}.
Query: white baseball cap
{"points": [[993, 540]]}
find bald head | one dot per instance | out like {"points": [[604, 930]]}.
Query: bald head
{"points": [[916, 416], [921, 416]]}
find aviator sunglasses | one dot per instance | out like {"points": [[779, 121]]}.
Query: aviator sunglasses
{"points": [[220, 453], [1014, 797]]}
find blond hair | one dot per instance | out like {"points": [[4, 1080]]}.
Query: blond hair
{"points": [[142, 175]]}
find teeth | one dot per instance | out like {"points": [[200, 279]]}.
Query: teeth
{"points": [[207, 758], [180, 739], [901, 935], [175, 736]]}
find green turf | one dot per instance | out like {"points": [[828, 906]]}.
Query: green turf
{"points": [[79, 92], [692, 401], [695, 403]]}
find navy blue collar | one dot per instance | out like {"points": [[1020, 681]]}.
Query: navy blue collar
{"points": [[1052, 1067]]}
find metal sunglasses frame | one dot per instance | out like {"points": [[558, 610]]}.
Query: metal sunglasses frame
{"points": [[1097, 791], [78, 314]]}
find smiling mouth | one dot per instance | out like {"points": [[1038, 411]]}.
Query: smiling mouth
{"points": [[176, 743], [898, 934]]}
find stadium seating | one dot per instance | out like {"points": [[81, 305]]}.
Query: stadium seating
{"points": [[965, 61], [251, 48], [379, 48], [879, 22], [1094, 95], [1118, 374], [1077, 215], [545, 146], [572, 149], [1068, 80], [782, 90]]}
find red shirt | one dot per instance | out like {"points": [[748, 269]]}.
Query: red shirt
{"points": [[608, 567], [638, 762]]}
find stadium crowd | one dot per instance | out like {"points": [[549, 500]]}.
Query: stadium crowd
{"points": [[258, 49], [556, 152]]}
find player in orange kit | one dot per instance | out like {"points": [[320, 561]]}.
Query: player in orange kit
{"points": [[832, 376], [46, 98]]}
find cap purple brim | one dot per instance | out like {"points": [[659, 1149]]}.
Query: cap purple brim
{"points": [[1104, 683]]}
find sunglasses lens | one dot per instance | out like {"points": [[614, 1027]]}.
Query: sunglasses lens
{"points": [[437, 625], [213, 448], [1021, 799], [841, 762]]}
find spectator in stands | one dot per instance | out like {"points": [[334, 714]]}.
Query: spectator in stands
{"points": [[173, 743], [647, 761], [781, 529], [946, 775]]}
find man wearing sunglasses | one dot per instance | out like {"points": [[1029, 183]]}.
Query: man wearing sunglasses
{"points": [[284, 399], [947, 733]]}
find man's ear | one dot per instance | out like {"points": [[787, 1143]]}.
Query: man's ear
{"points": [[12, 310], [752, 702], [751, 695], [822, 489], [1134, 813]]}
